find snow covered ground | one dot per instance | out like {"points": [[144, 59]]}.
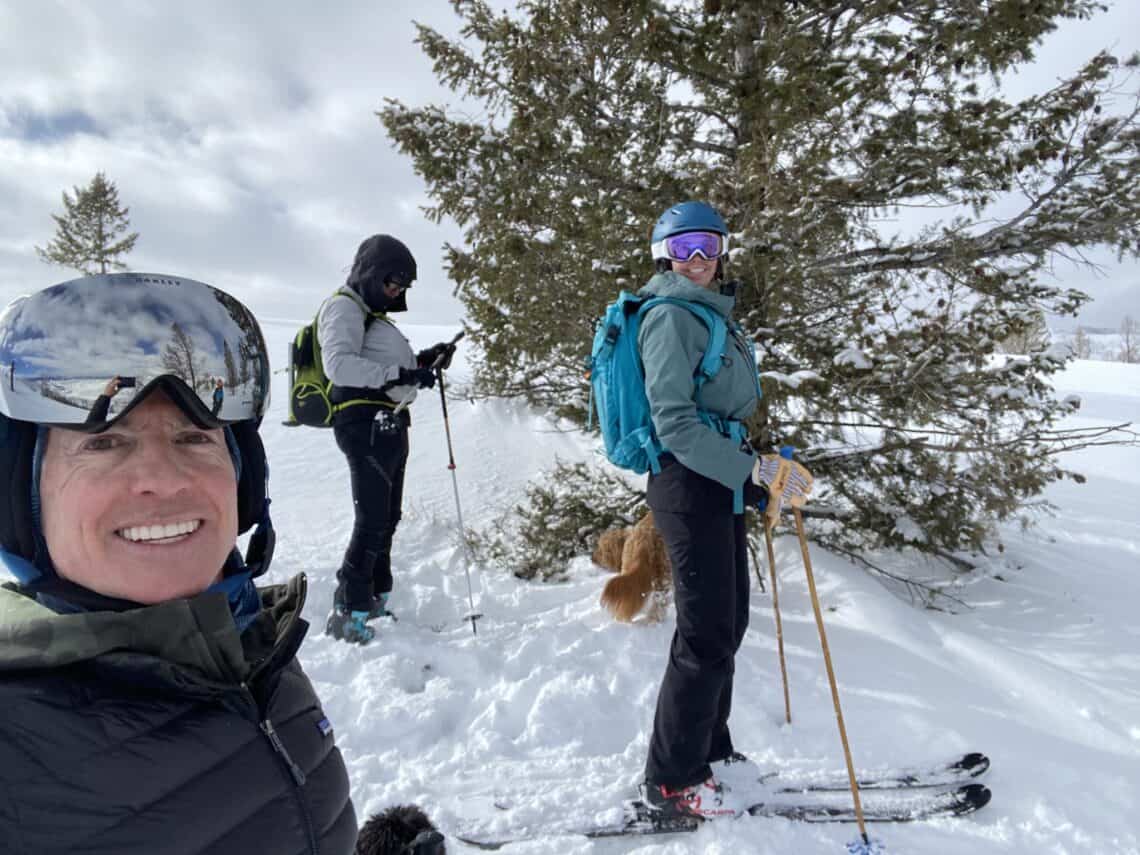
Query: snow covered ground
{"points": [[548, 710]]}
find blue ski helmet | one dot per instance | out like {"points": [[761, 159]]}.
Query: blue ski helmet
{"points": [[687, 217], [682, 218]]}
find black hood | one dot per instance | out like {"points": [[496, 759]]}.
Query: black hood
{"points": [[379, 259]]}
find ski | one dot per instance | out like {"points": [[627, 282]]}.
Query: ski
{"points": [[954, 772], [881, 806], [951, 773], [905, 806]]}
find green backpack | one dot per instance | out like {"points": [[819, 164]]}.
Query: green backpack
{"points": [[309, 388]]}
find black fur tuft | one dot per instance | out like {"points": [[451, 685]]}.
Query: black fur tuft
{"points": [[400, 830]]}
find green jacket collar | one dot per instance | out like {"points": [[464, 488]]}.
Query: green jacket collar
{"points": [[673, 284], [195, 632]]}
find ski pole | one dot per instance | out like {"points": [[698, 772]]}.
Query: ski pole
{"points": [[473, 615], [756, 566], [779, 623], [865, 845], [437, 366]]}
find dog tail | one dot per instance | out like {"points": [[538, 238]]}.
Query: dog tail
{"points": [[625, 595], [607, 554]]}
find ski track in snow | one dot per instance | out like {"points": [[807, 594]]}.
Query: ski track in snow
{"points": [[548, 710]]}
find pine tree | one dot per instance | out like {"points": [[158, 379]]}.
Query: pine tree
{"points": [[1082, 347], [232, 377], [91, 235], [809, 125], [1129, 340], [182, 359]]}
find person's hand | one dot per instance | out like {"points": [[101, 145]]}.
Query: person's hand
{"points": [[755, 495], [786, 481], [112, 387], [421, 378], [443, 351]]}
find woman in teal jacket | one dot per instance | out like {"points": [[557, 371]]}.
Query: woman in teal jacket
{"points": [[706, 479]]}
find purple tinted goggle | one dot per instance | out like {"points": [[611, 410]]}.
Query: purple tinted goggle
{"points": [[682, 247]]}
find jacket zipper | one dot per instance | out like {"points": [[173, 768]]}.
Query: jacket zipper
{"points": [[279, 746], [295, 772]]}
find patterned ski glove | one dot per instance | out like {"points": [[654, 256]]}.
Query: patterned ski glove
{"points": [[443, 351], [786, 480]]}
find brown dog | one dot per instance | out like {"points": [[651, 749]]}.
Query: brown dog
{"points": [[638, 555]]}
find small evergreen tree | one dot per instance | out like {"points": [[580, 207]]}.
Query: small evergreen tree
{"points": [[181, 358], [809, 125], [563, 513], [1129, 340], [91, 234], [1082, 347], [232, 378]]}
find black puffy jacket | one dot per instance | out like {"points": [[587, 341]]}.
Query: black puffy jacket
{"points": [[160, 730]]}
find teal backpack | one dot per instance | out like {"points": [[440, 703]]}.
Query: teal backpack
{"points": [[617, 381]]}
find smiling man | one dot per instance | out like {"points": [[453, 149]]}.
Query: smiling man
{"points": [[152, 697]]}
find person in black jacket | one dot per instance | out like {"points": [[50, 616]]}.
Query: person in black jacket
{"points": [[152, 699], [375, 376]]}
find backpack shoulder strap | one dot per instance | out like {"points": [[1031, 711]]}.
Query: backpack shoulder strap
{"points": [[711, 361], [718, 339], [369, 315]]}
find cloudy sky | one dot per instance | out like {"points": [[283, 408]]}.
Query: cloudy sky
{"points": [[243, 137]]}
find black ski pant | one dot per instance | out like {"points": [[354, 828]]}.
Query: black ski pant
{"points": [[708, 550], [376, 461]]}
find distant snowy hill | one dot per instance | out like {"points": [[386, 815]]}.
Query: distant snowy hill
{"points": [[1104, 344]]}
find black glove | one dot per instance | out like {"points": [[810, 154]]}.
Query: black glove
{"points": [[421, 378], [755, 495], [426, 358]]}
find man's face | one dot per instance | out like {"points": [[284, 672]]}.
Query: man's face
{"points": [[145, 511]]}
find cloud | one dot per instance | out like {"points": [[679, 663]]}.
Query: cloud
{"points": [[243, 137]]}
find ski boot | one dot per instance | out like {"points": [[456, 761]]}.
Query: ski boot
{"points": [[708, 799], [380, 607], [349, 626], [738, 773]]}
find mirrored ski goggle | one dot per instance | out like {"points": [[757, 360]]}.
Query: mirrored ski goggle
{"points": [[80, 353], [683, 247]]}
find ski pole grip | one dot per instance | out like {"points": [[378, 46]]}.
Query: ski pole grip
{"points": [[437, 362], [776, 489]]}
